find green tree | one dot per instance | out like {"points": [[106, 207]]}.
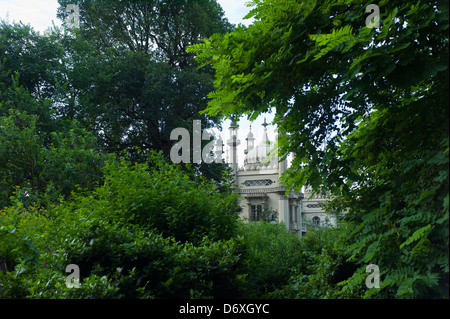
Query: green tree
{"points": [[38, 161], [35, 172], [35, 57], [164, 28], [30, 70], [19, 152], [365, 111], [138, 81]]}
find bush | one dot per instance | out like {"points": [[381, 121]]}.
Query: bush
{"points": [[322, 267], [149, 232], [159, 195], [271, 255], [40, 167]]}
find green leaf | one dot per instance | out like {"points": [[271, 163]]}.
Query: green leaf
{"points": [[418, 234]]}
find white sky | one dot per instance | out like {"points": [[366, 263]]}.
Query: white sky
{"points": [[38, 13], [41, 14]]}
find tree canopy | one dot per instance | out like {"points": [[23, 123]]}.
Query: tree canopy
{"points": [[130, 80], [365, 112]]}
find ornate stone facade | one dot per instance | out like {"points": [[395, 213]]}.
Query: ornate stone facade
{"points": [[262, 193]]}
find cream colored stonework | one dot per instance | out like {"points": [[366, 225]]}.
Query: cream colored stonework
{"points": [[258, 183]]}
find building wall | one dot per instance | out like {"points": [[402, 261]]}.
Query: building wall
{"points": [[258, 183], [289, 207], [298, 211], [257, 195]]}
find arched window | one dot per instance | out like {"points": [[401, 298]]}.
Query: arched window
{"points": [[316, 220]]}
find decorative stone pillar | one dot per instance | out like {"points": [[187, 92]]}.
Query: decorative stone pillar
{"points": [[296, 220], [233, 142], [249, 210], [283, 210]]}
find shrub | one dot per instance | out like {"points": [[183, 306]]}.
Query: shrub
{"points": [[149, 232], [270, 257], [322, 267]]}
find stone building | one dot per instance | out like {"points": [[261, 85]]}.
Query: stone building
{"points": [[262, 193]]}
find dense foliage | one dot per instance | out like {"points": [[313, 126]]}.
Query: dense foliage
{"points": [[365, 111], [130, 79], [148, 231], [85, 122], [141, 236], [41, 157]]}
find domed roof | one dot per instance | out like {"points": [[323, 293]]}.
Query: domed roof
{"points": [[259, 154], [250, 134]]}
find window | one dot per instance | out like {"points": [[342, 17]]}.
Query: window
{"points": [[316, 220], [255, 212], [258, 182], [314, 206]]}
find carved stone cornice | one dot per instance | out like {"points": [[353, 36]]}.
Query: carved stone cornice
{"points": [[262, 192]]}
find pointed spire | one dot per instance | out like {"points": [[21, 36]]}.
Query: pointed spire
{"points": [[265, 137], [265, 124], [233, 133], [250, 134]]}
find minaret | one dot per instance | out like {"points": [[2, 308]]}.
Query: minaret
{"points": [[266, 144], [265, 136], [250, 141], [233, 142], [285, 208]]}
